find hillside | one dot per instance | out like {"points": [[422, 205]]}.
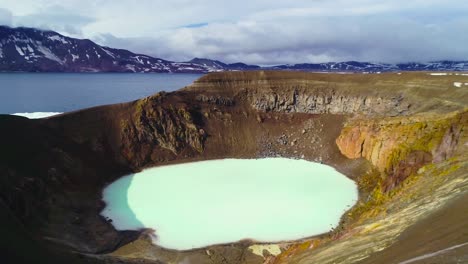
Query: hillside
{"points": [[33, 50]]}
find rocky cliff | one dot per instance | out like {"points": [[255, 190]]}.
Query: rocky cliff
{"points": [[398, 147], [402, 137]]}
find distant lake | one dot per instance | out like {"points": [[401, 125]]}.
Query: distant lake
{"points": [[64, 92]]}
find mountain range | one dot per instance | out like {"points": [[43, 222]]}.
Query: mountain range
{"points": [[33, 50]]}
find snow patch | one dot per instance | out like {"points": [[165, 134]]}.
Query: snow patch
{"points": [[108, 53], [75, 57], [35, 115], [187, 68], [130, 67], [20, 51], [30, 49], [458, 84], [439, 74], [139, 59], [58, 38], [48, 54]]}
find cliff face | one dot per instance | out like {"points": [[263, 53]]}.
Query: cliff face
{"points": [[398, 147], [370, 95], [172, 127], [384, 131], [329, 101]]}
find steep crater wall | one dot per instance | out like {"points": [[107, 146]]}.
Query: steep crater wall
{"points": [[398, 147]]}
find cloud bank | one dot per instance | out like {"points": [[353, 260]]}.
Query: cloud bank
{"points": [[260, 31]]}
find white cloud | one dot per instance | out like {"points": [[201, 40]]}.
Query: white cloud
{"points": [[5, 17], [261, 31]]}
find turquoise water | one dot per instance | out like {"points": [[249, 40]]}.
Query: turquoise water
{"points": [[198, 204]]}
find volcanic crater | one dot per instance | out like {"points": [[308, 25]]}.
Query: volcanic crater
{"points": [[401, 137]]}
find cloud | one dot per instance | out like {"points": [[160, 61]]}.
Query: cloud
{"points": [[392, 39], [55, 18], [5, 17], [262, 31]]}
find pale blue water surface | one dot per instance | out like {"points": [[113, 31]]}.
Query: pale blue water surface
{"points": [[198, 204]]}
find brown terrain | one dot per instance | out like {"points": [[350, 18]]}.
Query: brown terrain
{"points": [[401, 137]]}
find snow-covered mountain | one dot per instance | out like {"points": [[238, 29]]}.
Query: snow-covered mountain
{"points": [[34, 50], [354, 66]]}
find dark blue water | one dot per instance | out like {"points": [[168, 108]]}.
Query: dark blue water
{"points": [[63, 92]]}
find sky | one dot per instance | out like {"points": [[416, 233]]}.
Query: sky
{"points": [[264, 32]]}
